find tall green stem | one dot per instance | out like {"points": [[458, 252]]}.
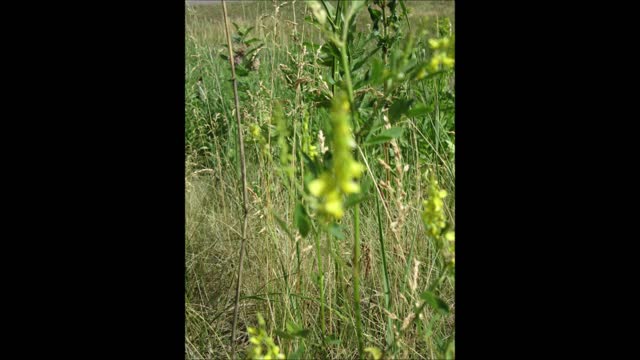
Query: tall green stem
{"points": [[321, 283], [356, 211], [245, 206], [385, 273], [356, 277]]}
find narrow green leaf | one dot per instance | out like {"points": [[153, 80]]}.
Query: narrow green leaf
{"points": [[284, 335], [332, 340], [296, 330], [284, 227], [435, 302], [237, 28], [451, 350], [419, 110], [375, 14], [363, 61], [297, 354], [252, 50], [405, 13], [335, 230], [394, 132], [385, 136], [377, 72], [399, 108], [241, 71], [302, 221], [246, 32], [353, 199]]}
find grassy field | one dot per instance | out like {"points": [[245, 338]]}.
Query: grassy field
{"points": [[349, 143]]}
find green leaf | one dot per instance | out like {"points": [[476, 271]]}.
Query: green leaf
{"points": [[296, 330], [243, 86], [310, 164], [310, 20], [241, 71], [367, 186], [405, 13], [328, 54], [377, 72], [451, 350], [302, 221], [284, 335], [284, 227], [252, 50], [385, 136], [435, 302], [419, 110], [375, 14], [361, 62], [394, 132], [332, 340], [246, 32], [400, 107], [237, 28], [353, 199], [335, 230], [298, 354]]}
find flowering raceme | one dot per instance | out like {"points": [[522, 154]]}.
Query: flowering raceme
{"points": [[435, 222], [262, 345], [433, 215], [340, 179], [441, 56]]}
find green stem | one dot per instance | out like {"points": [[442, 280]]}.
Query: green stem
{"points": [[384, 32], [356, 211], [356, 277], [321, 283], [385, 273], [345, 65]]}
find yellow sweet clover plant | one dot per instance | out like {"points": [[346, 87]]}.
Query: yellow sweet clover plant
{"points": [[262, 345], [340, 180], [434, 218]]}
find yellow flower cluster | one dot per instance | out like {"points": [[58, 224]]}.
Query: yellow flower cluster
{"points": [[340, 180], [433, 215], [256, 135], [442, 54], [434, 219], [451, 238], [262, 345]]}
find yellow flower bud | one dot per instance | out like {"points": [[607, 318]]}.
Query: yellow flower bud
{"points": [[334, 207], [448, 61], [317, 186], [350, 187]]}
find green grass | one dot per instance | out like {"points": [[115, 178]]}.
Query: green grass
{"points": [[280, 267]]}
